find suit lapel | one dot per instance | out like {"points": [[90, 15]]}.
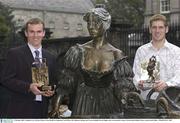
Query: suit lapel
{"points": [[44, 55], [28, 56]]}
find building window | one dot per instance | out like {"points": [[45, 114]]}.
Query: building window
{"points": [[164, 6], [66, 26], [19, 22], [51, 25], [79, 27]]}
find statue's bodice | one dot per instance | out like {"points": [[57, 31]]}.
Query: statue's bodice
{"points": [[97, 79], [98, 70]]}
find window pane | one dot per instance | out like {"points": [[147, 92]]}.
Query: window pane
{"points": [[164, 6]]}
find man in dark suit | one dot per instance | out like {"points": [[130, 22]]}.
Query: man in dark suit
{"points": [[27, 100]]}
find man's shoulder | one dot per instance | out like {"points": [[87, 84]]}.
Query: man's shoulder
{"points": [[48, 53], [173, 47], [144, 46], [18, 48]]}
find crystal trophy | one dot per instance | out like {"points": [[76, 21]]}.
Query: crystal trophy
{"points": [[40, 74]]}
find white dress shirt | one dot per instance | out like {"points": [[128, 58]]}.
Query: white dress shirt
{"points": [[38, 97], [169, 59], [34, 49]]}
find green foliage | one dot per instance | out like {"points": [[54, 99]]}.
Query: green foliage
{"points": [[4, 29], [6, 24], [126, 11]]}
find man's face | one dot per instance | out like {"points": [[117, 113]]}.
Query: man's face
{"points": [[35, 34], [158, 30]]}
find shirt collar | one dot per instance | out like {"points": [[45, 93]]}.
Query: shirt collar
{"points": [[33, 48], [166, 44]]}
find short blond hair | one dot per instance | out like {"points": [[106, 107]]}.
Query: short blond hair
{"points": [[157, 17]]}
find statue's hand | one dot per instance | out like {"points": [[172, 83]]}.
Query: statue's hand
{"points": [[58, 104], [54, 113], [58, 113]]}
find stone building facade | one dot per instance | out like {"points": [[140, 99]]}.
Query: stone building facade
{"points": [[169, 8], [63, 17]]}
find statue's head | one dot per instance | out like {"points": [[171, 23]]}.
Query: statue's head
{"points": [[98, 18]]}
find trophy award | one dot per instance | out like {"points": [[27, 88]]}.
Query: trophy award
{"points": [[150, 72], [40, 74]]}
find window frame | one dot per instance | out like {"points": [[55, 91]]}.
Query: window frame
{"points": [[164, 6]]}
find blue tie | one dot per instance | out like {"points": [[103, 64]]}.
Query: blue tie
{"points": [[37, 56]]}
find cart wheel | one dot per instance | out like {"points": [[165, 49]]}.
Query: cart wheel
{"points": [[135, 100], [177, 99], [162, 107]]}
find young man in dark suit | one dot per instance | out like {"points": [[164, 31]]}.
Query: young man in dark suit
{"points": [[27, 100]]}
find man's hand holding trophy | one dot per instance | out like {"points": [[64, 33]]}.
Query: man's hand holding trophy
{"points": [[150, 73], [40, 79]]}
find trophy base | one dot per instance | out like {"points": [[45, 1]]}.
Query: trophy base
{"points": [[47, 88]]}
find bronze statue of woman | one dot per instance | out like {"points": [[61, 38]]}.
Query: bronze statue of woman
{"points": [[95, 74]]}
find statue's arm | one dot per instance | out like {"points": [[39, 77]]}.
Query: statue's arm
{"points": [[67, 80]]}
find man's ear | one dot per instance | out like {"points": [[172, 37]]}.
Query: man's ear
{"points": [[150, 30], [167, 29], [25, 33], [44, 33]]}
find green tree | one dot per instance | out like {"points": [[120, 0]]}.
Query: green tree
{"points": [[6, 29], [6, 23], [126, 11]]}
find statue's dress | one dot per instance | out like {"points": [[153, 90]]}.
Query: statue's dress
{"points": [[94, 92]]}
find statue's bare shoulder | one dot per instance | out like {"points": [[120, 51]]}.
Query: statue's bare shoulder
{"points": [[87, 45], [118, 54]]}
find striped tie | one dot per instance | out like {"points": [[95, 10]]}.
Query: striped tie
{"points": [[37, 56]]}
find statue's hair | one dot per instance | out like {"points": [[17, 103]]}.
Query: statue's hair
{"points": [[102, 14]]}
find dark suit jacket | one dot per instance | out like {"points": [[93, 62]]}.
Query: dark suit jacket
{"points": [[17, 77]]}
